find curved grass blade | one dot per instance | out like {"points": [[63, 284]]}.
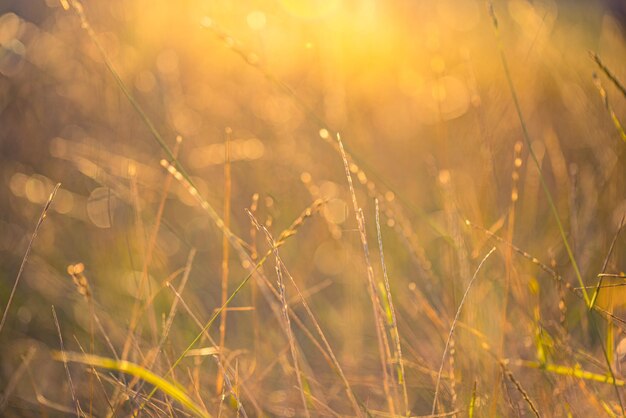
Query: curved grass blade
{"points": [[135, 370]]}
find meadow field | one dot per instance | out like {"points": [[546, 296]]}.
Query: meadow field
{"points": [[301, 208]]}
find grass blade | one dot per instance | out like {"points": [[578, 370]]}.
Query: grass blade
{"points": [[135, 370], [526, 135], [44, 212]]}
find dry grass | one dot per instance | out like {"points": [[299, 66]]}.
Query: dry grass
{"points": [[441, 130]]}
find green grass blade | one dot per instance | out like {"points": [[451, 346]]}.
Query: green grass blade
{"points": [[136, 370], [526, 135], [575, 371]]}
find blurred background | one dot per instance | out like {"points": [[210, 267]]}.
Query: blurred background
{"points": [[420, 97]]}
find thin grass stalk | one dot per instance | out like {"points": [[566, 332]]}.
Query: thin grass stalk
{"points": [[285, 309], [64, 359], [606, 314], [607, 104], [376, 306], [528, 141], [210, 322], [148, 257], [42, 411], [95, 373], [254, 255], [609, 336], [144, 284], [394, 319], [43, 215], [173, 308], [608, 361], [225, 249], [83, 288], [221, 367], [137, 308], [508, 260], [520, 389], [152, 357], [553, 274], [596, 58], [453, 326], [328, 349], [16, 376], [92, 350], [613, 275], [232, 388]]}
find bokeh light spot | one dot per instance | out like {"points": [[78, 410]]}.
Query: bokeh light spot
{"points": [[101, 206], [256, 20]]}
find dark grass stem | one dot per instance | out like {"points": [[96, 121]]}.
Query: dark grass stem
{"points": [[520, 389], [618, 84]]}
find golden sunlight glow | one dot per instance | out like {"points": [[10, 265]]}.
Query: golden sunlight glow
{"points": [[256, 20], [310, 9]]}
